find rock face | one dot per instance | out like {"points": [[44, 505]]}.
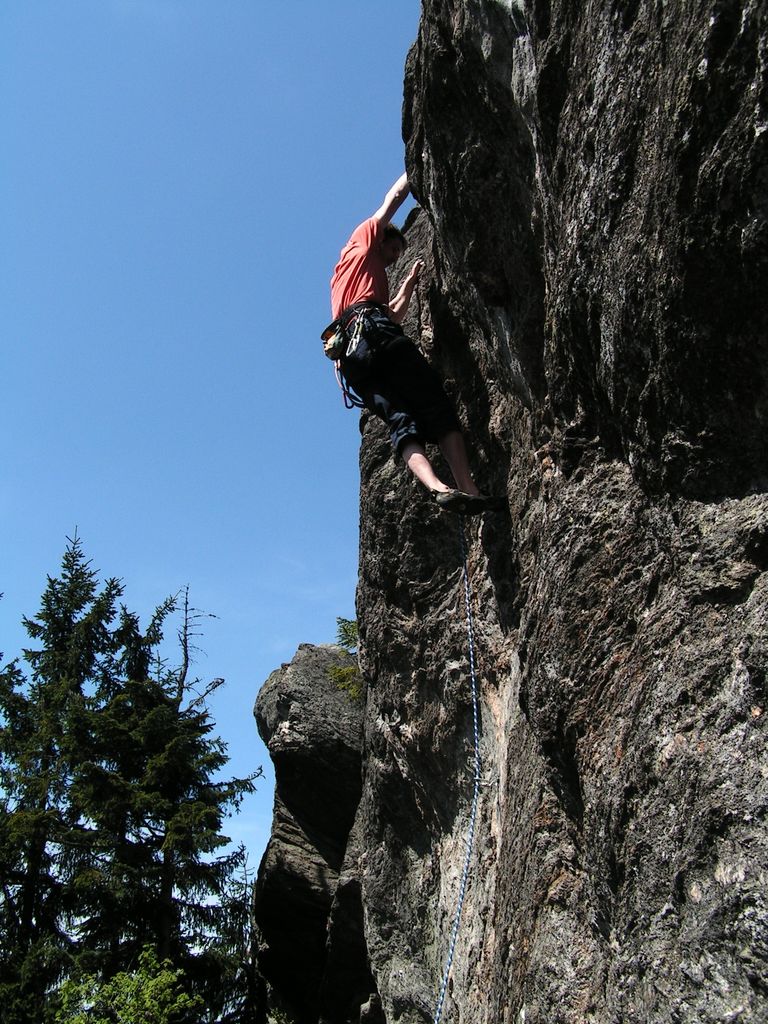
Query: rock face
{"points": [[594, 184]]}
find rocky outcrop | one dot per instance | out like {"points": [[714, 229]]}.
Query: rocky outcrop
{"points": [[307, 902], [594, 192]]}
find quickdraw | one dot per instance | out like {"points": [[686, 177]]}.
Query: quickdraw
{"points": [[351, 400]]}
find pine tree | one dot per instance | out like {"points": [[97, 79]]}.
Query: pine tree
{"points": [[347, 634], [43, 735], [111, 834]]}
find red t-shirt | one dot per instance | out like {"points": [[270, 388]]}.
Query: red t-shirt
{"points": [[360, 274]]}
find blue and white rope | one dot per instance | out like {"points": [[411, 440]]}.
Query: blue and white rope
{"points": [[476, 791]]}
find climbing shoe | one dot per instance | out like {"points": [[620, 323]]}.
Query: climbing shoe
{"points": [[464, 504]]}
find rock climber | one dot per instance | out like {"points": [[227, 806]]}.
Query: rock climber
{"points": [[387, 370]]}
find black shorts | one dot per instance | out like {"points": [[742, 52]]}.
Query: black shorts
{"points": [[396, 382]]}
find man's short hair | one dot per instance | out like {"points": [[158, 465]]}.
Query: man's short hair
{"points": [[390, 231]]}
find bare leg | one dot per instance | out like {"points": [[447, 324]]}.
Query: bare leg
{"points": [[455, 452], [415, 458]]}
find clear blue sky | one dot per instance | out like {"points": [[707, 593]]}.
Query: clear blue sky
{"points": [[176, 180]]}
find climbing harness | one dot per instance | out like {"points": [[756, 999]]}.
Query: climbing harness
{"points": [[476, 790]]}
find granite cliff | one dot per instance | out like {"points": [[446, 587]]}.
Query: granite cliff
{"points": [[594, 187]]}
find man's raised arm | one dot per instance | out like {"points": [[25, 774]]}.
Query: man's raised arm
{"points": [[393, 200]]}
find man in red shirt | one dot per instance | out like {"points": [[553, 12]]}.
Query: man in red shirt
{"points": [[386, 369]]}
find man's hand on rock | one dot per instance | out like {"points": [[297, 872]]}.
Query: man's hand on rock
{"points": [[416, 269]]}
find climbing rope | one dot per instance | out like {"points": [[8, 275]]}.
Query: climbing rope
{"points": [[351, 401], [476, 791]]}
